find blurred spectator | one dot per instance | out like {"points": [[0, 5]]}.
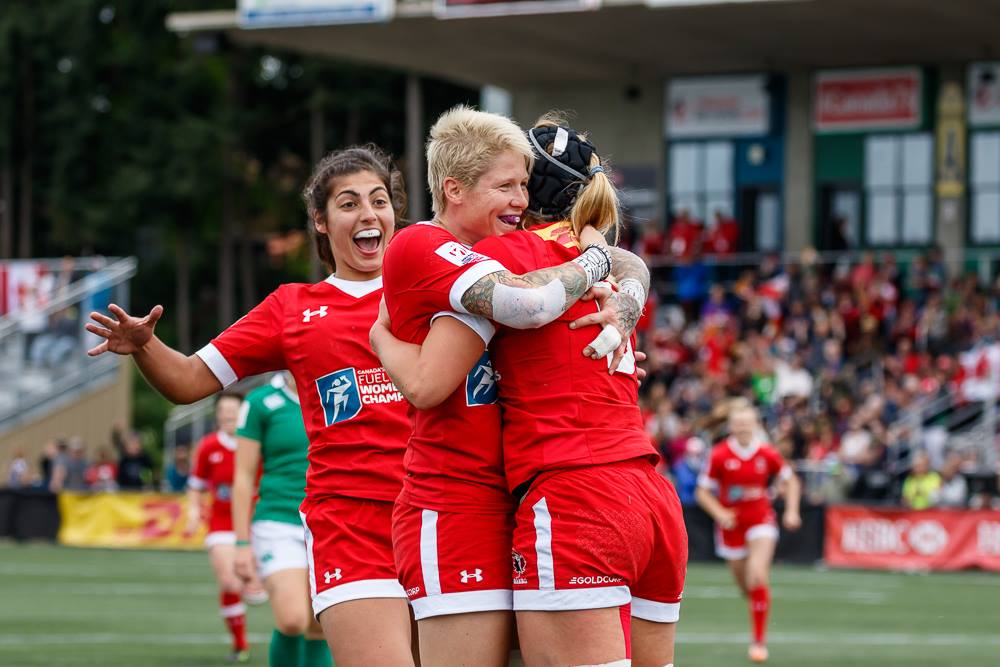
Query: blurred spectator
{"points": [[686, 469], [792, 380], [103, 474], [69, 472], [46, 461], [691, 276], [56, 344], [724, 236], [135, 468], [685, 236], [179, 469], [922, 485], [18, 472], [954, 490]]}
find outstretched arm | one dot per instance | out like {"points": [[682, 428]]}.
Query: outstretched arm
{"points": [[180, 378], [428, 374], [534, 299]]}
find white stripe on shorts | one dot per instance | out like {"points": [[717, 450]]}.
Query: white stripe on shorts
{"points": [[309, 557], [429, 552], [543, 546]]}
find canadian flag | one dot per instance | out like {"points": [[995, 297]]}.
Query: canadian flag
{"points": [[771, 292]]}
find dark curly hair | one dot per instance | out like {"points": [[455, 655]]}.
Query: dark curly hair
{"points": [[341, 163]]}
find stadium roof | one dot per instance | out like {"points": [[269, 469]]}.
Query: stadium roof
{"points": [[626, 40]]}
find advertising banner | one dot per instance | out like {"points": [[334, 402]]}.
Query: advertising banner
{"points": [[457, 9], [984, 94], [899, 539], [718, 107], [882, 99], [287, 13], [126, 520]]}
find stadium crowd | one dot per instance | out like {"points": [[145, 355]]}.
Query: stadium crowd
{"points": [[833, 353]]}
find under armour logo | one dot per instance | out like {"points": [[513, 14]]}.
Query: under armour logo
{"points": [[333, 575], [309, 314], [477, 574]]}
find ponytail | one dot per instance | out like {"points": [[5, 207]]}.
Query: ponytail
{"points": [[596, 204]]}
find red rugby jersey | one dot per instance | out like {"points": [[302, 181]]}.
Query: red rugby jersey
{"points": [[741, 475], [213, 472], [354, 415], [560, 408], [454, 458]]}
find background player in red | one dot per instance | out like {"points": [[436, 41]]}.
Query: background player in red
{"points": [[733, 489], [213, 474], [355, 418], [571, 439], [452, 525]]}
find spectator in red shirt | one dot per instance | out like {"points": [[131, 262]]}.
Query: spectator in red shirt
{"points": [[685, 237], [723, 237]]}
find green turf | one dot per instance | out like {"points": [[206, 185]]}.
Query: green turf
{"points": [[62, 606]]}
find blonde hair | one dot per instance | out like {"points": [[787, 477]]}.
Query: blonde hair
{"points": [[597, 201], [463, 145]]}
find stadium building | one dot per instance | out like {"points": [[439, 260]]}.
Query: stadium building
{"points": [[847, 123]]}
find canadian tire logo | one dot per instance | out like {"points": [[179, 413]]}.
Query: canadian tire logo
{"points": [[928, 538]]}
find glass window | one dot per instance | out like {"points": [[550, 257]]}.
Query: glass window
{"points": [[985, 179], [768, 222], [899, 175], [701, 179]]}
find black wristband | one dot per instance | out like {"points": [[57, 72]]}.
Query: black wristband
{"points": [[596, 262]]}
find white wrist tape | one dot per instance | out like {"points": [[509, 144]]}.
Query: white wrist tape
{"points": [[607, 341], [528, 307], [634, 289], [596, 262]]}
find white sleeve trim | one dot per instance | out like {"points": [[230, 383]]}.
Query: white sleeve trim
{"points": [[477, 323], [707, 482], [197, 483], [217, 363], [785, 472], [470, 278]]}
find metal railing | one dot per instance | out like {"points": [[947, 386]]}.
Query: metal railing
{"points": [[43, 360]]}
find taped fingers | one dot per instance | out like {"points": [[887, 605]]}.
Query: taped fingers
{"points": [[606, 342]]}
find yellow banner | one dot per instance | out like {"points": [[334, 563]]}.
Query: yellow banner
{"points": [[126, 520]]}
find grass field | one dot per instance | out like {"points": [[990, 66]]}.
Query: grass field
{"points": [[62, 606]]}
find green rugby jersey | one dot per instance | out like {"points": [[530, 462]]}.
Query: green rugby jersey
{"points": [[272, 417]]}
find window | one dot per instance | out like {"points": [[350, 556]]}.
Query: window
{"points": [[701, 179], [985, 180], [899, 175]]}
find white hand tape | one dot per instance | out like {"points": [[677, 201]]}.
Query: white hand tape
{"points": [[607, 341]]}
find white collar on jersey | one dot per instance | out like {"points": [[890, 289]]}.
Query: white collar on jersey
{"points": [[228, 441], [746, 453], [278, 382], [356, 288]]}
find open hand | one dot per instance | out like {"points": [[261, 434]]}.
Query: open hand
{"points": [[125, 334]]}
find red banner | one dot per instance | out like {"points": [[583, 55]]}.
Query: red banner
{"points": [[898, 539], [868, 99]]}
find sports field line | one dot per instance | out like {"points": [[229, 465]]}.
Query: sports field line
{"points": [[785, 592], [114, 588], [778, 638]]}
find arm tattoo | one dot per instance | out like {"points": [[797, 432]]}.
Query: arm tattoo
{"points": [[626, 266], [629, 311], [572, 279]]}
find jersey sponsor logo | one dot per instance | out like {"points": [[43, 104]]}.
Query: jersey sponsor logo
{"points": [[760, 464], [223, 491], [599, 579], [320, 312], [520, 566], [458, 254], [215, 457], [732, 464], [413, 592], [344, 392], [330, 576], [338, 392], [475, 575], [481, 383]]}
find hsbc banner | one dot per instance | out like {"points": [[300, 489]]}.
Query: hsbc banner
{"points": [[880, 99], [718, 107], [289, 13], [898, 539]]}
